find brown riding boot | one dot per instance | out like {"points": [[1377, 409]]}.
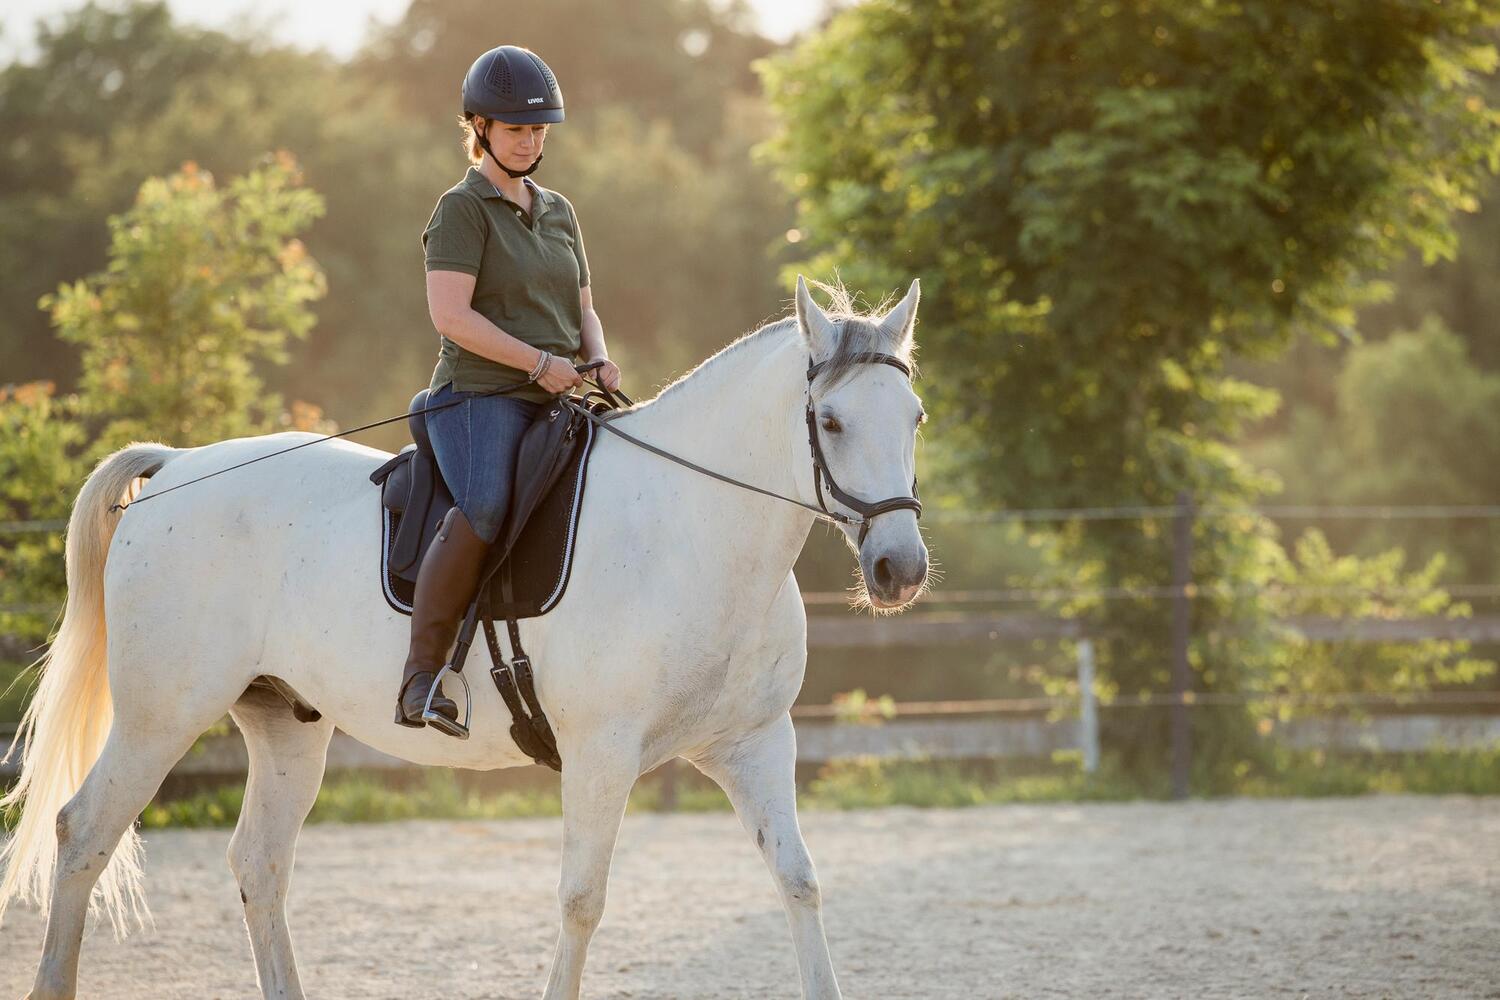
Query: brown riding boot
{"points": [[445, 586]]}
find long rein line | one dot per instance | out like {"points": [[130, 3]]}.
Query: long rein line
{"points": [[823, 514], [826, 515], [328, 437]]}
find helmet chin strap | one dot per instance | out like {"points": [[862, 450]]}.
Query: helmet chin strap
{"points": [[484, 144]]}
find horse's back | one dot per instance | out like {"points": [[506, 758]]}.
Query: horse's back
{"points": [[331, 462], [231, 536]]}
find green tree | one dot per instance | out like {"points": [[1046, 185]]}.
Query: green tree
{"points": [[1414, 422], [1108, 201], [202, 284], [665, 60], [1314, 582], [659, 121], [67, 118], [40, 471]]}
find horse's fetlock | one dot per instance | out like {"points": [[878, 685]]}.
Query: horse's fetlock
{"points": [[583, 907]]}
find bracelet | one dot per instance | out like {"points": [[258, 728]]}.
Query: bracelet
{"points": [[541, 366]]}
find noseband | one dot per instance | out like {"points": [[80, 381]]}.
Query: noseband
{"points": [[866, 510]]}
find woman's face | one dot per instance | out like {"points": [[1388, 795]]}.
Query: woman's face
{"points": [[516, 146]]}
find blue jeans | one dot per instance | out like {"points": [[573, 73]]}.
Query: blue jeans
{"points": [[475, 444]]}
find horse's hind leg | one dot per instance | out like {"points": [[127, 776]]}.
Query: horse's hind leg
{"points": [[758, 775], [139, 752], [286, 768]]}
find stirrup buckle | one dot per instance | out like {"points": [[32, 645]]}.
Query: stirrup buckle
{"points": [[438, 719]]}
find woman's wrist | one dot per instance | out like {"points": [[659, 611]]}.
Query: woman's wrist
{"points": [[542, 359]]}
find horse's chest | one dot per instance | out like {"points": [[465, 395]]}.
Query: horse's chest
{"points": [[732, 679]]}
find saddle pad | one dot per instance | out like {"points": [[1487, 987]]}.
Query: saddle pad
{"points": [[538, 564]]}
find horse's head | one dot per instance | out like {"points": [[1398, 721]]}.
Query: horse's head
{"points": [[864, 419]]}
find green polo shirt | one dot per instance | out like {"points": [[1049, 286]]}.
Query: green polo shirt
{"points": [[528, 270]]}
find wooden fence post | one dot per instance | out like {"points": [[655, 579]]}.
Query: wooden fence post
{"points": [[1088, 707], [1181, 727]]}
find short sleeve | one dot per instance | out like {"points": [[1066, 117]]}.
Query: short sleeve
{"points": [[583, 260], [454, 237]]}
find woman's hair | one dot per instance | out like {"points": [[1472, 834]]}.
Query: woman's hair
{"points": [[471, 140]]}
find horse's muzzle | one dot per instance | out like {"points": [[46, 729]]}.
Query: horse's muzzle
{"points": [[894, 577]]}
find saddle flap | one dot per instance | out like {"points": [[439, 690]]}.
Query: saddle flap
{"points": [[535, 544], [394, 479], [414, 484], [546, 449]]}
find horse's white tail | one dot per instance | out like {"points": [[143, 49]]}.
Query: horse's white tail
{"points": [[64, 728]]}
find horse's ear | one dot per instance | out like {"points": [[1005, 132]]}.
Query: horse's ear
{"points": [[813, 324], [901, 322]]}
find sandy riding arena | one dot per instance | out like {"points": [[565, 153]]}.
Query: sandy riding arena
{"points": [[1378, 897]]}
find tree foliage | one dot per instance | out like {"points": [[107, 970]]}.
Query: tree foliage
{"points": [[661, 110], [202, 283], [1414, 422], [40, 468], [1107, 202], [1315, 581]]}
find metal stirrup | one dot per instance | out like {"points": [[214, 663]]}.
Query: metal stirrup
{"points": [[438, 719]]}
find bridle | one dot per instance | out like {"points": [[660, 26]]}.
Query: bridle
{"points": [[866, 510]]}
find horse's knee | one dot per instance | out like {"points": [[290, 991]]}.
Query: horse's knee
{"points": [[800, 883], [582, 907]]}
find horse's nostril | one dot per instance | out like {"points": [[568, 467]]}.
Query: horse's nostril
{"points": [[883, 576]]}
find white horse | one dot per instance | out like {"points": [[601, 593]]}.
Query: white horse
{"points": [[682, 634]]}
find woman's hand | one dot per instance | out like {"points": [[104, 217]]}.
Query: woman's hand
{"points": [[559, 375], [608, 375]]}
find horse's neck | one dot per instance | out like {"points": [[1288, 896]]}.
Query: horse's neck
{"points": [[739, 414]]}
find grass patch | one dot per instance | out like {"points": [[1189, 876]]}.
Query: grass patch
{"points": [[862, 783], [363, 799], [869, 783], [1318, 774]]}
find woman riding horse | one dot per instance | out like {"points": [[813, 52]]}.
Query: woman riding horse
{"points": [[508, 292]]}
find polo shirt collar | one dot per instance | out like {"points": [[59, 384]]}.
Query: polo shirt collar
{"points": [[540, 199]]}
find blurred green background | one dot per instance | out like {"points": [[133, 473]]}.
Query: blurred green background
{"points": [[1239, 252]]}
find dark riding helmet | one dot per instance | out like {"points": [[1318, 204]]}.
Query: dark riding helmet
{"points": [[512, 85]]}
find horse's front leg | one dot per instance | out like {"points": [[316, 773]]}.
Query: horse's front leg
{"points": [[757, 773], [595, 786]]}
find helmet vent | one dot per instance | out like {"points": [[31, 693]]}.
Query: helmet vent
{"points": [[551, 80], [499, 77]]}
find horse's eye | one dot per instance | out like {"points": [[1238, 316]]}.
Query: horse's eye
{"points": [[831, 425]]}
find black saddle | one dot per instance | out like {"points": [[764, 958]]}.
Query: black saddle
{"points": [[526, 571]]}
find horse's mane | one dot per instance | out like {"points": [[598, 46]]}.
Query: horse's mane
{"points": [[861, 332]]}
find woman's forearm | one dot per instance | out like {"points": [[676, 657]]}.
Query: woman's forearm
{"points": [[591, 337], [471, 331]]}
